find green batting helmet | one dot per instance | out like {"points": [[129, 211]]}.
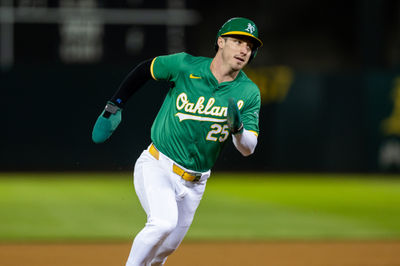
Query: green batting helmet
{"points": [[240, 26]]}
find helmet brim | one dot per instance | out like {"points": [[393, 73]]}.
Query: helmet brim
{"points": [[257, 41]]}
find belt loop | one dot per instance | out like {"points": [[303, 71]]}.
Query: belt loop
{"points": [[153, 151]]}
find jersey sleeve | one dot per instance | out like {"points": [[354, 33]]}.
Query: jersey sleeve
{"points": [[251, 110], [166, 67]]}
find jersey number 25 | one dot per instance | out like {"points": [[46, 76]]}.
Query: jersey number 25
{"points": [[217, 129]]}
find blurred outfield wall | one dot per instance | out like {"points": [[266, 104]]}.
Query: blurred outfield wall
{"points": [[309, 121]]}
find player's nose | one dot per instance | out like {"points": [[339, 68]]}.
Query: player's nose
{"points": [[244, 48]]}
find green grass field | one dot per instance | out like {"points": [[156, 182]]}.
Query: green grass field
{"points": [[104, 206]]}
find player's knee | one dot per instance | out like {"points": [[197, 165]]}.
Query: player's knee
{"points": [[164, 227]]}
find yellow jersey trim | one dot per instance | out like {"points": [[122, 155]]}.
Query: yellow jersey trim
{"points": [[151, 68]]}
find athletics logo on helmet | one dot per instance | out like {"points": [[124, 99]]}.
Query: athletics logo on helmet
{"points": [[243, 27], [250, 28]]}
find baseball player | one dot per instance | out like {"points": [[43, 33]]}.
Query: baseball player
{"points": [[209, 100]]}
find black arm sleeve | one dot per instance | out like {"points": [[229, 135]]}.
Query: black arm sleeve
{"points": [[135, 79]]}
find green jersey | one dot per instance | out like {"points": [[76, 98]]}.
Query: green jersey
{"points": [[191, 126]]}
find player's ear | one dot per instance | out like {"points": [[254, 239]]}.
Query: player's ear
{"points": [[220, 42]]}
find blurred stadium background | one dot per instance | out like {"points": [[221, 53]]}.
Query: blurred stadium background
{"points": [[329, 75]]}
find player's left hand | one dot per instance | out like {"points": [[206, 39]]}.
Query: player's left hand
{"points": [[106, 123], [234, 120]]}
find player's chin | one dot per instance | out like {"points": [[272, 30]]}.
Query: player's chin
{"points": [[239, 63]]}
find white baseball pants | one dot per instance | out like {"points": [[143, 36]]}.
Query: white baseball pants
{"points": [[170, 203]]}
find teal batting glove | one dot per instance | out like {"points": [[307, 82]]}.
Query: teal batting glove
{"points": [[234, 120], [107, 122]]}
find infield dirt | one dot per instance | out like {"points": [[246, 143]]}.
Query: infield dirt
{"points": [[351, 253]]}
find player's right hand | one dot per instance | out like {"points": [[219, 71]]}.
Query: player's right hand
{"points": [[106, 123]]}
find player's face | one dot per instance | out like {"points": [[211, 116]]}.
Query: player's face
{"points": [[237, 51]]}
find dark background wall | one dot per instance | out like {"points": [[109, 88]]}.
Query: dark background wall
{"points": [[341, 61]]}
